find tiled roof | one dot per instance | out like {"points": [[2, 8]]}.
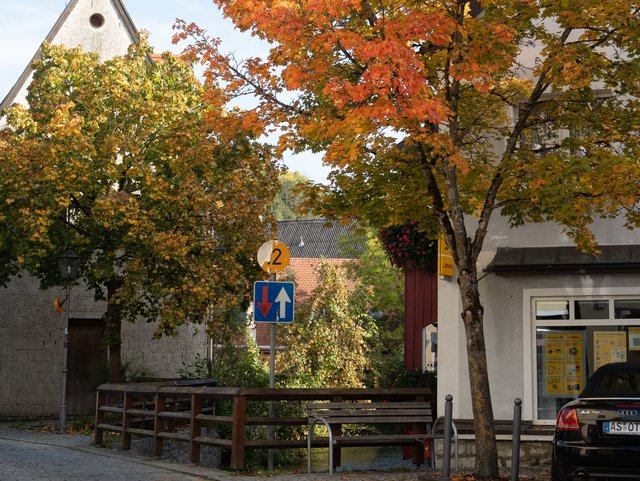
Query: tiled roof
{"points": [[314, 238], [310, 241]]}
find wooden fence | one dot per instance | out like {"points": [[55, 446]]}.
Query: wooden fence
{"points": [[180, 413]]}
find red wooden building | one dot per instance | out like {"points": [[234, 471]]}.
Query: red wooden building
{"points": [[421, 311]]}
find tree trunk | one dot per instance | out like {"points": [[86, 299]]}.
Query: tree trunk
{"points": [[486, 460], [113, 323]]}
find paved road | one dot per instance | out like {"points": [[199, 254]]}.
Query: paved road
{"points": [[34, 461], [27, 455]]}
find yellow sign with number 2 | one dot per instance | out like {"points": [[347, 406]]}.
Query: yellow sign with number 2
{"points": [[273, 256]]}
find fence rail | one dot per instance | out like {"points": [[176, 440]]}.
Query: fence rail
{"points": [[181, 413]]}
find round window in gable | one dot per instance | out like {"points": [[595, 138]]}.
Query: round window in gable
{"points": [[96, 20]]}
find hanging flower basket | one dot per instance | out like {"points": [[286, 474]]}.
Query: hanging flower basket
{"points": [[406, 245]]}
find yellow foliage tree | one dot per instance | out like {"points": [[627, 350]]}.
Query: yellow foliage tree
{"points": [[136, 168]]}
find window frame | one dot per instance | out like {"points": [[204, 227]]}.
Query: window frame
{"points": [[530, 324]]}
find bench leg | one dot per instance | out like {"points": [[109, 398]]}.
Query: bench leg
{"points": [[309, 439], [418, 453], [335, 449]]}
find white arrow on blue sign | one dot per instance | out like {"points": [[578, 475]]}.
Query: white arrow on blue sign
{"points": [[273, 301]]}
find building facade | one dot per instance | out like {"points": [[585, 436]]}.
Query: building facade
{"points": [[552, 316]]}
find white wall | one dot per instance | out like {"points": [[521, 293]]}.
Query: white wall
{"points": [[108, 41]]}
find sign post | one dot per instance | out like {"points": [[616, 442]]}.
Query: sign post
{"points": [[273, 302]]}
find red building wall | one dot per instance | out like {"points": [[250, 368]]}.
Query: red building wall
{"points": [[421, 309]]}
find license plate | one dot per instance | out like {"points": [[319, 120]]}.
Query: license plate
{"points": [[622, 427]]}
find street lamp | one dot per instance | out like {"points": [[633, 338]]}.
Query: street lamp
{"points": [[68, 266]]}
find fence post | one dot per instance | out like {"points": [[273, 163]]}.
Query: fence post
{"points": [[515, 451], [238, 431], [158, 425], [446, 449], [196, 428], [101, 400], [126, 420]]}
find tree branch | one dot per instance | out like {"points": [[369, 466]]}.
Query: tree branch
{"points": [[523, 116]]}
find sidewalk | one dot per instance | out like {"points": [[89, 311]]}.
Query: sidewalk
{"points": [[104, 463]]}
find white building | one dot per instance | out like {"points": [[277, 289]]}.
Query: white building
{"points": [[552, 314], [542, 295]]}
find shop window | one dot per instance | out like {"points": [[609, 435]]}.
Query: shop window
{"points": [[552, 310], [591, 309], [568, 353], [627, 308]]}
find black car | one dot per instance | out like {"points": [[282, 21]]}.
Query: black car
{"points": [[597, 435]]}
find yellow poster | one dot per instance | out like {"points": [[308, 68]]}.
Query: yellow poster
{"points": [[609, 346], [573, 369], [555, 386], [573, 349], [573, 386], [564, 364], [634, 338], [555, 368], [554, 349]]}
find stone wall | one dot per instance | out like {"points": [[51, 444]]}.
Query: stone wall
{"points": [[177, 451], [31, 345], [32, 351], [533, 453], [163, 357]]}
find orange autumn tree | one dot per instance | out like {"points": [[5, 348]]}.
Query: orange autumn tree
{"points": [[131, 165], [450, 111]]}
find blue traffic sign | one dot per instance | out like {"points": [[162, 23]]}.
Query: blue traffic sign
{"points": [[273, 301]]}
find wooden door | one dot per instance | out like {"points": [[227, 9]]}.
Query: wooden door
{"points": [[87, 364]]}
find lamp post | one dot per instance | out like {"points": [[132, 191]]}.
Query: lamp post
{"points": [[68, 266]]}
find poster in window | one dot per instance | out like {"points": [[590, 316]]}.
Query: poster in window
{"points": [[573, 386], [609, 346], [555, 367], [554, 386], [573, 369], [634, 338], [572, 349], [564, 363], [554, 346]]}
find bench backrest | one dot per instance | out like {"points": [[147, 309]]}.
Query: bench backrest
{"points": [[397, 412]]}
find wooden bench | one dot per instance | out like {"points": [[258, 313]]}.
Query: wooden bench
{"points": [[415, 416]]}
